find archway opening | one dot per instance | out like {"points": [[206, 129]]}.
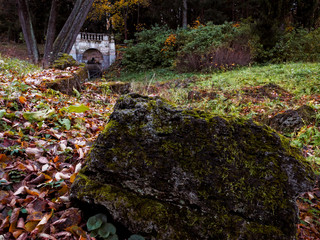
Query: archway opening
{"points": [[93, 58]]}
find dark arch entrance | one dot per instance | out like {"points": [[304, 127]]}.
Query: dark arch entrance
{"points": [[93, 58]]}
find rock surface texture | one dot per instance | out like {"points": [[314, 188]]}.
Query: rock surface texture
{"points": [[168, 173], [293, 120]]}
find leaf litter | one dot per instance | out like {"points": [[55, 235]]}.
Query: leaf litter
{"points": [[44, 138]]}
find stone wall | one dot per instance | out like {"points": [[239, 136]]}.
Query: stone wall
{"points": [[86, 42]]}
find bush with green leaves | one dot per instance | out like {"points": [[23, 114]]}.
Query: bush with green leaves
{"points": [[99, 226], [146, 53], [160, 46], [294, 45], [199, 40]]}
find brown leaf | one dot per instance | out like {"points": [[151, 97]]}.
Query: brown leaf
{"points": [[5, 223], [14, 215], [17, 233], [38, 179], [35, 216], [20, 223], [76, 230], [23, 236]]}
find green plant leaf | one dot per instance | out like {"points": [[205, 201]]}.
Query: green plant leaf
{"points": [[113, 237], [76, 92], [106, 230], [38, 115], [102, 217], [94, 223], [76, 108], [136, 237], [94, 233], [111, 228], [66, 123], [2, 112]]}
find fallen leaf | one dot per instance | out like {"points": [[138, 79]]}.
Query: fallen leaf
{"points": [[22, 100]]}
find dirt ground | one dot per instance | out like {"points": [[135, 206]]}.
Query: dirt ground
{"points": [[16, 50]]}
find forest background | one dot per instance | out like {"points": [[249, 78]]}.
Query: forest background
{"points": [[181, 33]]}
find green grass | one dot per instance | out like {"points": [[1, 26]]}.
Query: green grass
{"points": [[13, 67], [298, 78], [153, 75]]}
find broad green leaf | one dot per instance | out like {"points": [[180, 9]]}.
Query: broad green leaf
{"points": [[38, 115], [136, 237], [106, 230], [102, 217], [23, 210], [113, 237], [76, 92], [108, 227], [94, 223], [66, 123], [94, 233], [2, 112], [76, 108]]}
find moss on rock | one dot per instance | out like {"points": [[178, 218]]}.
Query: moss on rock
{"points": [[69, 83], [63, 61], [171, 173]]}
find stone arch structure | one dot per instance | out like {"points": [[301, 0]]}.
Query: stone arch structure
{"points": [[92, 53], [99, 46]]}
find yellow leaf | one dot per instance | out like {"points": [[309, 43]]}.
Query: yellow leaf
{"points": [[31, 225], [73, 177]]}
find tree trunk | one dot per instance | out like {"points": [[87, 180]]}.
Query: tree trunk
{"points": [[185, 14], [126, 23], [27, 29], [71, 28], [50, 34]]}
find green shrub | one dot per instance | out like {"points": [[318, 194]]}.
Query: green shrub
{"points": [[200, 39], [294, 45], [146, 53], [160, 46]]}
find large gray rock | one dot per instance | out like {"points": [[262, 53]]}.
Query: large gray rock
{"points": [[168, 173]]}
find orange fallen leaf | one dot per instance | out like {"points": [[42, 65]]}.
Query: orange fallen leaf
{"points": [[3, 157], [22, 100], [33, 192], [56, 159]]}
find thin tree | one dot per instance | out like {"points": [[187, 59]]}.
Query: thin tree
{"points": [[51, 31], [27, 29], [185, 14]]}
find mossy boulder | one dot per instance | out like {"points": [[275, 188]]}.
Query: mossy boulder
{"points": [[63, 61], [117, 87], [67, 84], [168, 173], [293, 120]]}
